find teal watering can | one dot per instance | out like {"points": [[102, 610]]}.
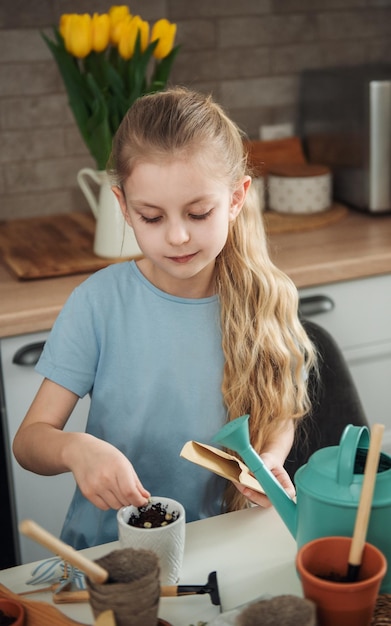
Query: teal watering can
{"points": [[328, 488]]}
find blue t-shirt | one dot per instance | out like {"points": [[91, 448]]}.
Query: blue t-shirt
{"points": [[153, 366]]}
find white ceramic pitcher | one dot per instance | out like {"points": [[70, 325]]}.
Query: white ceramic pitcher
{"points": [[113, 237]]}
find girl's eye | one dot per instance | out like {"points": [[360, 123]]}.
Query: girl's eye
{"points": [[158, 218], [150, 220], [202, 216]]}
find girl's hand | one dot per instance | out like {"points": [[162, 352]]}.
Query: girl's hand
{"points": [[279, 472], [104, 475]]}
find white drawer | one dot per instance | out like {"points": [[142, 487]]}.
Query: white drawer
{"points": [[359, 310], [372, 379], [358, 315]]}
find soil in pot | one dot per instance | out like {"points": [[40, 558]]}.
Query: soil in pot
{"points": [[6, 620], [334, 577], [152, 516]]}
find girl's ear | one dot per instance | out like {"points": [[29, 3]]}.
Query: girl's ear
{"points": [[238, 197], [119, 194]]}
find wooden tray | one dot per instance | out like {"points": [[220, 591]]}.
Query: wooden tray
{"points": [[39, 613], [49, 246], [276, 223]]}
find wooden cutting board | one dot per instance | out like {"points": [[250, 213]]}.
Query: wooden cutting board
{"points": [[39, 613], [49, 246]]}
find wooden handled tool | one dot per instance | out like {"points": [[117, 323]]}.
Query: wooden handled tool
{"points": [[98, 574], [95, 572], [211, 588], [365, 503]]}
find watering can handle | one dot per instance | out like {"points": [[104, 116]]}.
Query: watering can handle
{"points": [[82, 176], [353, 437]]}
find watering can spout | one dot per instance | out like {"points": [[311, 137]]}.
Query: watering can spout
{"points": [[235, 436]]}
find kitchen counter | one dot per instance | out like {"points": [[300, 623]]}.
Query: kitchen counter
{"points": [[356, 246]]}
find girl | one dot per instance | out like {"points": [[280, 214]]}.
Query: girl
{"points": [[202, 329]]}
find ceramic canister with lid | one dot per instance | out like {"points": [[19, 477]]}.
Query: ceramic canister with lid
{"points": [[299, 188]]}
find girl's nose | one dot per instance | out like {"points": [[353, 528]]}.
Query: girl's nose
{"points": [[177, 233]]}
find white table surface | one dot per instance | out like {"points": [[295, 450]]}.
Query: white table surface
{"points": [[252, 552]]}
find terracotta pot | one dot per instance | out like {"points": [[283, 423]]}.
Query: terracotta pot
{"points": [[340, 603], [14, 609]]}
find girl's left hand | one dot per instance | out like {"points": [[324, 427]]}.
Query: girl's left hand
{"points": [[274, 465]]}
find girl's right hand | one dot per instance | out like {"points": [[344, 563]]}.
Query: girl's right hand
{"points": [[104, 475]]}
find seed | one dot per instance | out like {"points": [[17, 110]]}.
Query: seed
{"points": [[164, 524], [168, 517], [147, 525]]}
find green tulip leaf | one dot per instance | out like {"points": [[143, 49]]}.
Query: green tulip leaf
{"points": [[163, 68]]}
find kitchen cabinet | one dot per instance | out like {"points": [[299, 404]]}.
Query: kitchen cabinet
{"points": [[357, 314], [44, 499]]}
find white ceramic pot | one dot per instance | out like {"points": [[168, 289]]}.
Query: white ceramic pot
{"points": [[301, 188], [168, 542], [259, 185], [113, 237]]}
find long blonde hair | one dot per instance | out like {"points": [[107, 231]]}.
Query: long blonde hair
{"points": [[267, 352]]}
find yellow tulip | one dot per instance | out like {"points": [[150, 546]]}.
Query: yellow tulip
{"points": [[64, 20], [118, 12], [100, 31], [144, 34], [119, 35], [117, 15], [128, 30], [78, 35], [165, 32]]}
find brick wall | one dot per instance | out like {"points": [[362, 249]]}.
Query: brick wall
{"points": [[249, 53]]}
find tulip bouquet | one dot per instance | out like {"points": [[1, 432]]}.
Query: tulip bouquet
{"points": [[107, 61]]}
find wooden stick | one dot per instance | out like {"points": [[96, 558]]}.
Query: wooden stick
{"points": [[95, 572], [69, 597], [366, 496], [105, 619]]}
